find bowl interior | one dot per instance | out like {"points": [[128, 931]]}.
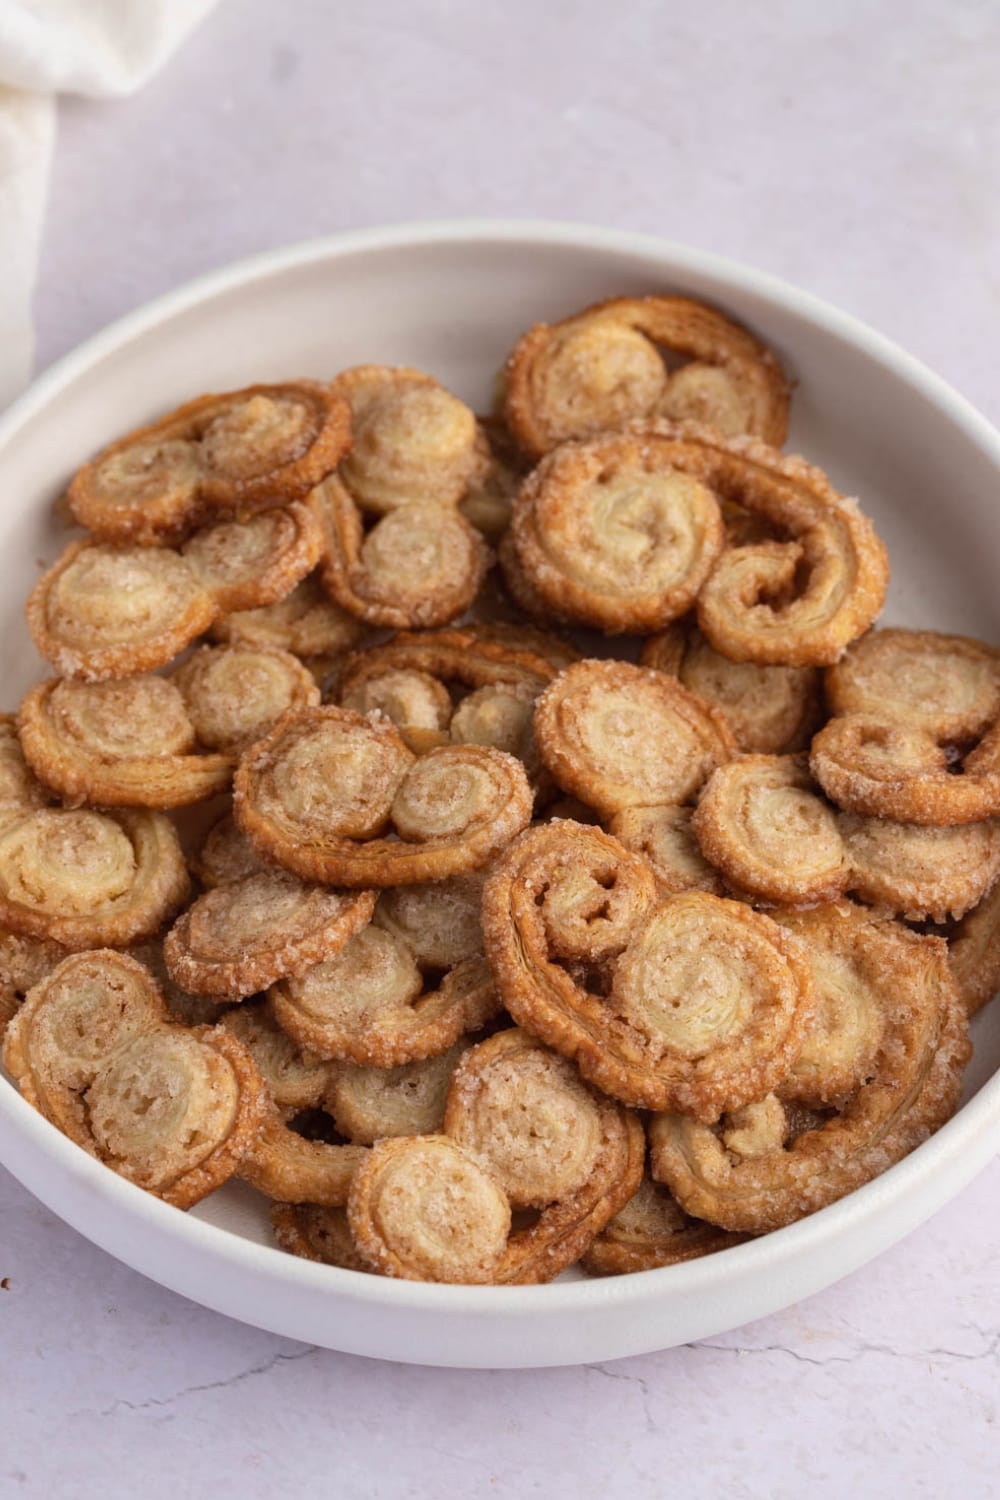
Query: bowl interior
{"points": [[453, 302]]}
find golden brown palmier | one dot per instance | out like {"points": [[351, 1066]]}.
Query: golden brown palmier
{"points": [[695, 999], [420, 565], [603, 367], [235, 694], [226, 855], [613, 533], [112, 611], [439, 922], [288, 1168], [369, 1004], [240, 452], [246, 565], [320, 1234], [974, 952], [947, 685], [304, 622], [237, 939], [170, 1108], [664, 835], [90, 879], [20, 790], [422, 1210], [371, 1104], [126, 742], [771, 710], [766, 1179], [413, 440], [762, 823], [317, 792], [621, 736], [652, 1230], [887, 768], [295, 1080]]}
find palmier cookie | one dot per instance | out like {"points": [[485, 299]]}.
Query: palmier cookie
{"points": [[757, 1171], [240, 452], [170, 1108], [694, 999], [317, 792], [603, 367], [619, 736]]}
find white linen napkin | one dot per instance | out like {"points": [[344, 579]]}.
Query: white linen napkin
{"points": [[102, 48]]}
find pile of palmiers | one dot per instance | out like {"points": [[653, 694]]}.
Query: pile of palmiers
{"points": [[484, 950]]}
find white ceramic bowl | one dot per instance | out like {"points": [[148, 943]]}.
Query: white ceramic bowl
{"points": [[451, 298]]}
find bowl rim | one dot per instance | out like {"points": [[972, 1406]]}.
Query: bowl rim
{"points": [[966, 1142]]}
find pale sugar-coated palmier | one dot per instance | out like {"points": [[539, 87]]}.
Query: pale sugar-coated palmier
{"points": [[763, 823], [618, 736], [225, 855], [846, 947], [125, 742], [771, 710], [421, 1210], [234, 694], [693, 999], [772, 1173], [527, 1115], [420, 565], [295, 1080], [248, 564], [419, 705], [90, 879], [288, 1168], [20, 790], [439, 922], [664, 835], [370, 1004], [319, 1234], [317, 793], [760, 821], [612, 533], [795, 601], [370, 1104], [112, 611], [304, 622], [412, 440], [604, 367], [488, 501], [974, 952], [237, 939], [170, 1108], [24, 961], [887, 768], [948, 685], [240, 452], [652, 1230]]}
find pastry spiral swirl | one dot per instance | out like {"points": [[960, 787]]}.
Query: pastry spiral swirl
{"points": [[237, 939], [106, 611], [413, 440], [246, 565], [702, 1002], [619, 736], [422, 564], [235, 694], [250, 449], [371, 1104], [420, 1209], [304, 622], [652, 1230], [90, 879], [764, 1181], [771, 710], [316, 793], [946, 685], [602, 368], [126, 742], [20, 791], [613, 533]]}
